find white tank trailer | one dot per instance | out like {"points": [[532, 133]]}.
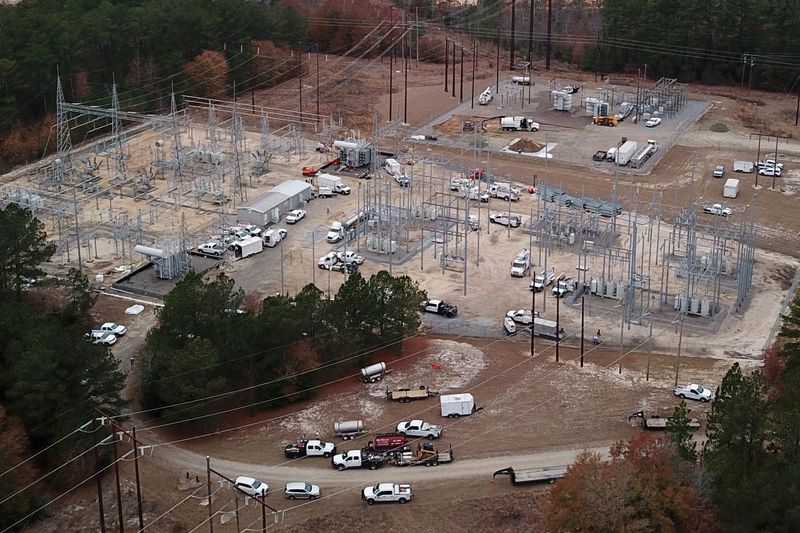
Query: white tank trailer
{"points": [[373, 373]]}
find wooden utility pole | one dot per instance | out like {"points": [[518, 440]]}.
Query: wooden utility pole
{"points": [[98, 478], [474, 61], [513, 41], [453, 95], [558, 321], [461, 88], [530, 34], [446, 58], [317, 54], [549, 29], [391, 80], [497, 63], [406, 53]]}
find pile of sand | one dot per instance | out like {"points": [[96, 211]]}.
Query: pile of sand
{"points": [[453, 125], [719, 127], [526, 145]]}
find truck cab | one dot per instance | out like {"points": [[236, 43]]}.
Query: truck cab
{"points": [[440, 307], [335, 233]]}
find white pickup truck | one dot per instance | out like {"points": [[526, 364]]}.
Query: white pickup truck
{"points": [[693, 392], [387, 492], [521, 316], [718, 209], [418, 428], [357, 459]]}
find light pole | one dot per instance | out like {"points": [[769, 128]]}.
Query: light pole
{"points": [[558, 322], [533, 321], [283, 290]]}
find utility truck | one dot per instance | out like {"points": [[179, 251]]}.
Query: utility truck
{"points": [[521, 264], [332, 182], [518, 124]]}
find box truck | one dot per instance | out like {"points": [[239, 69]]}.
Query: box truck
{"points": [[455, 405], [334, 183], [731, 189], [625, 152]]}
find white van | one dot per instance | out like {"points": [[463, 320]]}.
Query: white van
{"points": [[393, 167], [272, 238]]}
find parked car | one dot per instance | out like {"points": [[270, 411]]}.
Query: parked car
{"points": [[718, 209], [211, 248], [295, 216], [251, 486], [652, 122], [116, 329], [694, 392], [101, 337], [719, 171], [299, 490], [505, 220], [350, 257]]}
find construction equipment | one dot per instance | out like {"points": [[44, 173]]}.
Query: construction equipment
{"points": [[426, 455], [605, 120]]}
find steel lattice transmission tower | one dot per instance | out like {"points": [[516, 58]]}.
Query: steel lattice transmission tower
{"points": [[116, 133], [62, 164]]}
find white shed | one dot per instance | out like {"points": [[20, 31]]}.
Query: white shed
{"points": [[276, 202]]}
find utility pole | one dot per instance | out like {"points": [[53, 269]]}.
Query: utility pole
{"points": [[583, 299], [549, 28], [391, 80], [461, 88], [533, 321], [474, 61], [300, 78], [119, 429], [416, 34], [497, 63], [119, 489], [744, 69], [513, 33], [750, 80], [446, 56], [678, 358], [405, 75], [558, 322], [317, 54], [530, 33], [98, 478], [453, 95], [622, 328]]}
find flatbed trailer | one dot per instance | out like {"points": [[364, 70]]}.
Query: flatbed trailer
{"points": [[532, 475], [656, 422], [406, 395]]}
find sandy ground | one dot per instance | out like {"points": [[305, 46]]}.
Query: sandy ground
{"points": [[536, 411]]}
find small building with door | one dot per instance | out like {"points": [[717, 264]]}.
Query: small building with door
{"points": [[269, 207]]}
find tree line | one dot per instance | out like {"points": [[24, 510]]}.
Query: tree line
{"points": [[211, 339], [746, 477], [142, 45], [50, 376]]}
